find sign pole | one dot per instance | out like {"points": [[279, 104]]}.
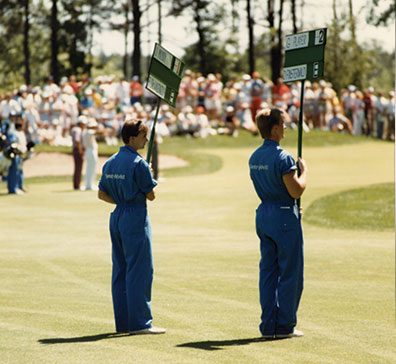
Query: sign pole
{"points": [[300, 132], [301, 121], [151, 142]]}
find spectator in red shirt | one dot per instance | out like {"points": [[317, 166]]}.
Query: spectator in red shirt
{"points": [[136, 90], [280, 93]]}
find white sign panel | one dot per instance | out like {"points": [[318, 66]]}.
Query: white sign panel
{"points": [[156, 86], [163, 56], [296, 41], [295, 73]]}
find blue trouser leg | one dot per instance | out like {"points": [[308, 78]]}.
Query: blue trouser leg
{"points": [[139, 278], [20, 178], [13, 178], [267, 284], [290, 286], [132, 268], [118, 285], [380, 129], [281, 268]]}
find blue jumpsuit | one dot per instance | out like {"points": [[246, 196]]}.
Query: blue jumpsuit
{"points": [[278, 226], [127, 179], [15, 173]]}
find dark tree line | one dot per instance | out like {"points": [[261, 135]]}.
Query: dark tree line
{"points": [[56, 37]]}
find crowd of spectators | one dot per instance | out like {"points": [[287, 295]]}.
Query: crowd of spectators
{"points": [[205, 106]]}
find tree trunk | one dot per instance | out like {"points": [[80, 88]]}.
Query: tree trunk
{"points": [[54, 42], [126, 33], [302, 14], [336, 44], [201, 39], [252, 61], [274, 48], [136, 54], [26, 49], [352, 22], [159, 22], [294, 16], [90, 40]]}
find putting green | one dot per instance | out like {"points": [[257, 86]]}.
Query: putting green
{"points": [[368, 208], [55, 267]]}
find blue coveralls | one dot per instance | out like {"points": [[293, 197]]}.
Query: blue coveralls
{"points": [[278, 226], [15, 173], [127, 179]]}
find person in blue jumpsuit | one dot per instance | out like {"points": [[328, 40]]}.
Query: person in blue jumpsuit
{"points": [[15, 172], [127, 182], [278, 225]]}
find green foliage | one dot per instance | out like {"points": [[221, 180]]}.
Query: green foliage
{"points": [[368, 208], [218, 60], [384, 17], [347, 62]]}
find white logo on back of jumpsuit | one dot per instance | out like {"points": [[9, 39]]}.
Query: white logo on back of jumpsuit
{"points": [[260, 167], [115, 176]]}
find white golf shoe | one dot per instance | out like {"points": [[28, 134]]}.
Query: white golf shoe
{"points": [[295, 333], [149, 331]]}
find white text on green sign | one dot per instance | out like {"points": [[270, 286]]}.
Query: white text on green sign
{"points": [[296, 41], [295, 73], [156, 86], [162, 55]]}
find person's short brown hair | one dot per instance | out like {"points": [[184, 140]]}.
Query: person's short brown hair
{"points": [[131, 128], [266, 119]]}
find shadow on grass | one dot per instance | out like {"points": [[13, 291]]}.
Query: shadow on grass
{"points": [[82, 339], [212, 345]]}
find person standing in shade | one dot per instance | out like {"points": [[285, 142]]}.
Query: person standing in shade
{"points": [[78, 150], [127, 182], [278, 224]]}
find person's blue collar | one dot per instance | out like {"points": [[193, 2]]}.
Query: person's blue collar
{"points": [[130, 149], [270, 142]]}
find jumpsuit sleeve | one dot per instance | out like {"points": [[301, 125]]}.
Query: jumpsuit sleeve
{"points": [[287, 163], [101, 185], [143, 177]]}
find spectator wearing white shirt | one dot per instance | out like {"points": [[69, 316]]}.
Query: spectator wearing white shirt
{"points": [[390, 114], [358, 113], [91, 154], [380, 105], [122, 92]]}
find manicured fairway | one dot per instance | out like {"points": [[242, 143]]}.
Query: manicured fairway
{"points": [[55, 267]]}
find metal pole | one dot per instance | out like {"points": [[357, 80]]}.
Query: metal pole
{"points": [[300, 132], [151, 142]]}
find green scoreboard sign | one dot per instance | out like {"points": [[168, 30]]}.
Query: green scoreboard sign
{"points": [[165, 74], [304, 55]]}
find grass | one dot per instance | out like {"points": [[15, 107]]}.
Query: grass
{"points": [[207, 162], [55, 268], [368, 208]]}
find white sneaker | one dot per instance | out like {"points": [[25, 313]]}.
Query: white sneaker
{"points": [[149, 331], [295, 333]]}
